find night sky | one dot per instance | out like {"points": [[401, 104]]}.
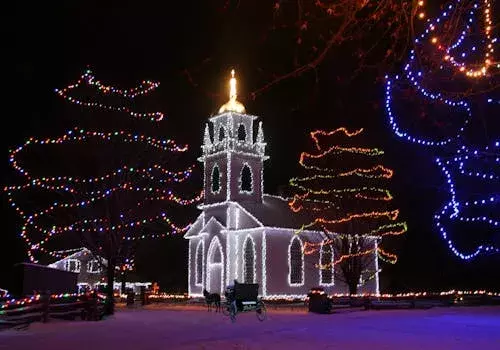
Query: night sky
{"points": [[48, 45]]}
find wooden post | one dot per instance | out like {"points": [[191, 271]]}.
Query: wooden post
{"points": [[93, 307], [45, 298]]}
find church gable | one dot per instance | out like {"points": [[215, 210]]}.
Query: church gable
{"points": [[195, 228], [212, 227]]}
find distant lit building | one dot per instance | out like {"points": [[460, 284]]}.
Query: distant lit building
{"points": [[91, 269]]}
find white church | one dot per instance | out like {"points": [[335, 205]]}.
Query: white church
{"points": [[245, 235]]}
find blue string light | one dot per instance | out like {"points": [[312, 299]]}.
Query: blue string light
{"points": [[453, 208], [414, 139]]}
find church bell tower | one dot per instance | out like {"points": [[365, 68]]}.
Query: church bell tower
{"points": [[232, 158]]}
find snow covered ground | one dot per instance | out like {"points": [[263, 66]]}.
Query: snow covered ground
{"points": [[158, 329]]}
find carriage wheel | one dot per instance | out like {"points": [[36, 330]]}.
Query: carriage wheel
{"points": [[232, 311], [261, 310]]}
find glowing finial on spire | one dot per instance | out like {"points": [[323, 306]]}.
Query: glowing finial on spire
{"points": [[232, 87], [232, 105]]}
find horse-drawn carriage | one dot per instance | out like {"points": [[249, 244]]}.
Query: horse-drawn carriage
{"points": [[243, 297]]}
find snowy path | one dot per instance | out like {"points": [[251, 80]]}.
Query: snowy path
{"points": [[439, 328]]}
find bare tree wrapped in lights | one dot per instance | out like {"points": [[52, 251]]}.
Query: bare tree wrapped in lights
{"points": [[105, 189], [344, 195], [295, 37], [376, 31], [446, 99]]}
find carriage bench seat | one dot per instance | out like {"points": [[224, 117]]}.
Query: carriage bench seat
{"points": [[246, 291]]}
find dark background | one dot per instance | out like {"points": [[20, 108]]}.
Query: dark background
{"points": [[48, 45]]}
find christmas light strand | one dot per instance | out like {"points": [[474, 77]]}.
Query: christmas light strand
{"points": [[89, 79], [33, 299], [387, 257], [453, 209], [462, 66], [398, 130]]}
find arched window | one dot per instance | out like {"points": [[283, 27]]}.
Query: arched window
{"points": [[72, 265], [246, 179], [199, 264], [326, 263], [93, 266], [242, 135], [215, 179], [249, 261], [222, 134], [296, 262]]}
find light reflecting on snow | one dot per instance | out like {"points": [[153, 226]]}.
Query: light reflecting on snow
{"points": [[178, 328]]}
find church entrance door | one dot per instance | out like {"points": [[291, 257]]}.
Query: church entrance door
{"points": [[215, 267]]}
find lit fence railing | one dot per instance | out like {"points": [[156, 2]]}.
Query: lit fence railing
{"points": [[41, 308]]}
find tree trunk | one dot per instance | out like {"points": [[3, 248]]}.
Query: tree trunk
{"points": [[353, 287], [110, 298], [123, 278]]}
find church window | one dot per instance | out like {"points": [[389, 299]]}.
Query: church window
{"points": [[326, 264], [199, 264], [249, 261], [72, 265], [215, 179], [296, 262], [242, 135], [246, 179], [221, 133]]}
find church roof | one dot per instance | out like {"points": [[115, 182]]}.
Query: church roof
{"points": [[78, 252], [275, 212]]}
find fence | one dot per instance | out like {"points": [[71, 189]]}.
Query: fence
{"points": [[19, 313], [422, 300]]}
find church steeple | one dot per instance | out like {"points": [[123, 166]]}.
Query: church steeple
{"points": [[233, 158]]}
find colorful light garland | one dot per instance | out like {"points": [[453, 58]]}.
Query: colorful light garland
{"points": [[89, 79], [33, 299], [186, 297]]}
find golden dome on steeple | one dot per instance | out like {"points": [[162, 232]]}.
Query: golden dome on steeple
{"points": [[232, 105]]}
